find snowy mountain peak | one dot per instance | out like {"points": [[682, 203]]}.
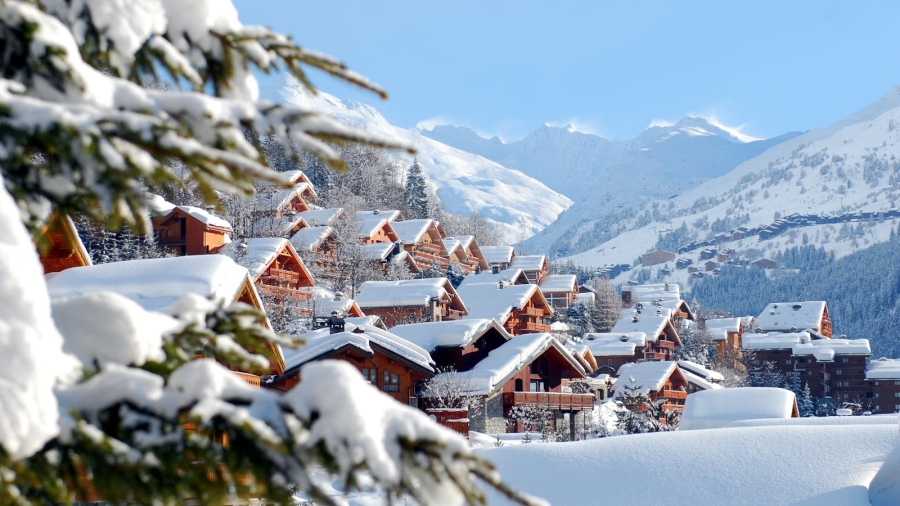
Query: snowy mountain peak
{"points": [[694, 126]]}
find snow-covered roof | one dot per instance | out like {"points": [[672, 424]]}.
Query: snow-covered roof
{"points": [[322, 342], [883, 368], [488, 301], [791, 316], [155, 284], [464, 240], [202, 215], [719, 328], [412, 231], [559, 327], [407, 292], [586, 298], [452, 245], [503, 362], [614, 344], [497, 254], [559, 283], [507, 276], [377, 251], [650, 324], [687, 366], [324, 306], [370, 226], [276, 201], [529, 262], [307, 239], [824, 350], [698, 381], [321, 217], [452, 334], [774, 341], [390, 215], [280, 225], [648, 376], [259, 253], [711, 409], [653, 291], [294, 176]]}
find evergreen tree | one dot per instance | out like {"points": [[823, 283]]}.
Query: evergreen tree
{"points": [[415, 195], [636, 413], [455, 275], [806, 405]]}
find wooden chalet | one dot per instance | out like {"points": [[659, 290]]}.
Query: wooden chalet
{"points": [[423, 241], [659, 380], [496, 277], [296, 177], [535, 267], [281, 202], [377, 230], [521, 309], [59, 246], [390, 215], [499, 257], [282, 226], [662, 337], [323, 217], [391, 364], [475, 261], [583, 354], [883, 385], [386, 253], [700, 378], [456, 254], [187, 230], [795, 317], [656, 257], [411, 300], [529, 369], [455, 345], [157, 284], [319, 244], [560, 290], [339, 306], [726, 333], [764, 263], [275, 267], [613, 350]]}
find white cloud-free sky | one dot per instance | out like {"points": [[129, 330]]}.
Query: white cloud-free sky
{"points": [[505, 67]]}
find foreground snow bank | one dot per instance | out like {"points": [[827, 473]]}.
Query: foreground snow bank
{"points": [[818, 465]]}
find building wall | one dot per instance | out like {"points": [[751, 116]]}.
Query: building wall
{"points": [[885, 395], [656, 257], [399, 315]]}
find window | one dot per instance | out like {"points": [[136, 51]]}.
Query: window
{"points": [[896, 407], [896, 394], [876, 383], [787, 362], [845, 384], [897, 383], [371, 376], [391, 382], [609, 362], [838, 371], [519, 385], [877, 395], [537, 386], [845, 360]]}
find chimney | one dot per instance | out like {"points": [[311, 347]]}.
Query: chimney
{"points": [[495, 269], [211, 209], [336, 323]]}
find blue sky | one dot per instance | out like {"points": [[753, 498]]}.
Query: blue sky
{"points": [[611, 68]]}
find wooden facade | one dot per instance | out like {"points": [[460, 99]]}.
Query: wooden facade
{"points": [[59, 245], [465, 358], [533, 317], [656, 257], [382, 232], [184, 234]]}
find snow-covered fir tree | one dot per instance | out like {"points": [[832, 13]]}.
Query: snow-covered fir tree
{"points": [[415, 194], [636, 413]]}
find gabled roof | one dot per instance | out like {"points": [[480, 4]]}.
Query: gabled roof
{"points": [[584, 356], [278, 225], [60, 245], [791, 316], [650, 324], [488, 301], [369, 227], [653, 292], [296, 176], [322, 343], [308, 239], [324, 306], [408, 292], [156, 284], [201, 215], [610, 344], [648, 376], [498, 254], [530, 262], [700, 371], [261, 252], [378, 250], [448, 334], [883, 368], [719, 328], [322, 217], [414, 231], [555, 283], [507, 276], [276, 201], [472, 249], [390, 215], [501, 364], [452, 246]]}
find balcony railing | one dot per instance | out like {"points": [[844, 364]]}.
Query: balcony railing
{"points": [[669, 345], [531, 327], [282, 275], [249, 378], [553, 400], [453, 314], [672, 407], [652, 355], [675, 394], [531, 311], [287, 293]]}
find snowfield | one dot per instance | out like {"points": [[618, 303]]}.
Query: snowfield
{"points": [[519, 204], [796, 462]]}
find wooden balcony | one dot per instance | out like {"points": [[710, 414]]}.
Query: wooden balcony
{"points": [[669, 345], [177, 240], [284, 293], [674, 394], [553, 400], [530, 327], [530, 311], [453, 314], [672, 407], [253, 379], [653, 355], [282, 276]]}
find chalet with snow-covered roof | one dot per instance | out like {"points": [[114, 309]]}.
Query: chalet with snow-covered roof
{"points": [[296, 177], [59, 245], [535, 267], [883, 382], [286, 201], [496, 278], [390, 215], [499, 256], [423, 241], [560, 290], [658, 295], [613, 350], [521, 309], [659, 380], [187, 230], [459, 344], [795, 317], [157, 284], [726, 333], [325, 306], [475, 260], [662, 337], [274, 266], [656, 257], [411, 300], [700, 378], [713, 409], [375, 230], [386, 253], [317, 243], [390, 363], [764, 263], [529, 369], [323, 217], [281, 226], [583, 354]]}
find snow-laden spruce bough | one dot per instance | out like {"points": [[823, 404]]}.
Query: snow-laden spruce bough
{"points": [[107, 417]]}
